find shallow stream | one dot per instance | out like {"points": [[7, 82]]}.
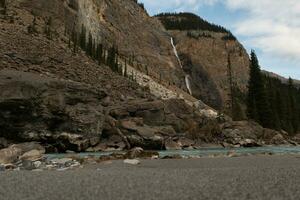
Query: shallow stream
{"points": [[202, 152]]}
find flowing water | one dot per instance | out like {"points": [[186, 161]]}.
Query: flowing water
{"points": [[187, 83], [202, 152], [187, 77], [175, 52]]}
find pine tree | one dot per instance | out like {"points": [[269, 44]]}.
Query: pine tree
{"points": [[99, 53], [82, 38], [48, 28], [3, 4], [258, 107], [125, 69], [75, 41], [293, 116], [89, 46]]}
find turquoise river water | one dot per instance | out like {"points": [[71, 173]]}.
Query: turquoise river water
{"points": [[203, 152]]}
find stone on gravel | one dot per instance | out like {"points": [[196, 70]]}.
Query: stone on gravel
{"points": [[62, 161], [132, 161]]}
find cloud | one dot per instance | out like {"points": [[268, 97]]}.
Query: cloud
{"points": [[157, 6], [272, 26]]}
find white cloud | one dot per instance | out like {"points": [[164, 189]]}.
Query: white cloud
{"points": [[158, 6], [273, 26]]}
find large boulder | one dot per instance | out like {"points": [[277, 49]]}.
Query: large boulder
{"points": [[278, 139], [36, 108], [241, 133], [25, 151]]}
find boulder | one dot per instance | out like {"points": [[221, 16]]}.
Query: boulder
{"points": [[25, 151], [73, 142], [185, 142], [296, 138], [32, 155], [134, 153], [170, 144], [138, 152], [278, 140], [9, 155], [132, 161]]}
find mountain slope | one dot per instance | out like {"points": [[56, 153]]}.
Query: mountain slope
{"points": [[57, 94]]}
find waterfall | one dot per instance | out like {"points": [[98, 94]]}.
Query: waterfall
{"points": [[175, 52], [187, 77], [187, 83]]}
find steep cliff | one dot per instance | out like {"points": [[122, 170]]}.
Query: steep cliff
{"points": [[212, 57], [145, 41]]}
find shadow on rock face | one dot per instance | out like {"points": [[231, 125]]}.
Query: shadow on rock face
{"points": [[202, 85]]}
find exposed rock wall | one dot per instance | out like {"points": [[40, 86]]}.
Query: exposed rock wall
{"points": [[206, 60]]}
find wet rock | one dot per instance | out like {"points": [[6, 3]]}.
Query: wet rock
{"points": [[132, 161], [170, 144], [74, 142], [175, 156], [185, 142], [249, 143], [140, 153]]}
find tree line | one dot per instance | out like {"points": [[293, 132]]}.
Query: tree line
{"points": [[97, 51], [190, 21], [272, 103]]}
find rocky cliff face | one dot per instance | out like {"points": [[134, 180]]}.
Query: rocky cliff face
{"points": [[206, 59], [123, 23]]}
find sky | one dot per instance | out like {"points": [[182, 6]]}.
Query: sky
{"points": [[270, 27]]}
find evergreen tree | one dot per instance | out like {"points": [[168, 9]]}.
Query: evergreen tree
{"points": [[3, 4], [82, 38], [89, 46], [125, 69], [258, 107], [99, 53], [48, 28]]}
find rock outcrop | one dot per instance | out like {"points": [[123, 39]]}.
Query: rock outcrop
{"points": [[36, 108]]}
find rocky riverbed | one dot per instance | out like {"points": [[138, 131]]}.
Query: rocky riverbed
{"points": [[32, 157]]}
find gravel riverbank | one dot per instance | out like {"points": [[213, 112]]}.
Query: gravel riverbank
{"points": [[252, 177]]}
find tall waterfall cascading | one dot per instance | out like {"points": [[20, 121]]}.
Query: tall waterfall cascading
{"points": [[175, 52], [187, 83], [187, 77]]}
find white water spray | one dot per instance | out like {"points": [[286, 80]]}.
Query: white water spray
{"points": [[187, 83], [175, 52], [187, 77]]}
